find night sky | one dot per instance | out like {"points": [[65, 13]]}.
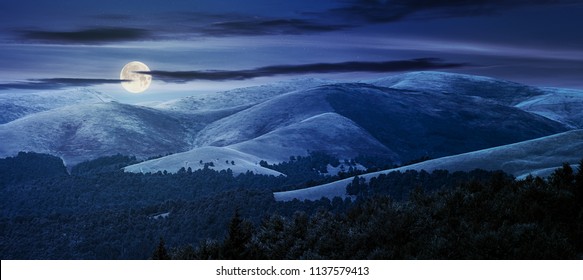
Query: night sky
{"points": [[209, 45]]}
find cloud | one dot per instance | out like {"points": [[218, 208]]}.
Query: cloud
{"points": [[354, 13], [219, 75], [317, 68], [256, 27], [57, 83], [348, 14], [208, 26], [88, 36], [383, 11]]}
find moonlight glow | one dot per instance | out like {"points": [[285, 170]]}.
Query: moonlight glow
{"points": [[139, 82]]}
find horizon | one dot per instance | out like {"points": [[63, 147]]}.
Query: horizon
{"points": [[151, 99]]}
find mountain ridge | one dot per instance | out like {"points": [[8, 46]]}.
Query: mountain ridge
{"points": [[401, 118], [395, 118]]}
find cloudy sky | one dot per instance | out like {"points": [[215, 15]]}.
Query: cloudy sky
{"points": [[209, 45]]}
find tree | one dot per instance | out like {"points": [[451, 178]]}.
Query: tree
{"points": [[579, 184], [160, 253], [238, 237], [563, 178], [357, 186]]}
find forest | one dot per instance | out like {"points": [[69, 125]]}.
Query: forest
{"points": [[96, 211]]}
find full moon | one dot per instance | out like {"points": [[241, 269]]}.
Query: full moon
{"points": [[138, 82]]}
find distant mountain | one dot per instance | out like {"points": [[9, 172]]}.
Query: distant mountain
{"points": [[408, 124], [538, 156], [561, 105], [17, 104], [81, 132], [238, 98], [400, 118], [505, 92]]}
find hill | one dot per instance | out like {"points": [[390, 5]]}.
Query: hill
{"points": [[239, 98], [398, 118], [539, 156], [407, 123], [561, 105], [217, 158], [504, 92], [80, 132], [330, 133], [17, 104]]}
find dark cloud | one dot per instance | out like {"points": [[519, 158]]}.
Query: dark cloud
{"points": [[88, 36], [217, 75], [209, 25], [348, 14], [353, 13], [256, 27], [57, 83], [318, 68], [382, 11]]}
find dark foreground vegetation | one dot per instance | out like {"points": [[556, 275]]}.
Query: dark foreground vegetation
{"points": [[95, 211]]}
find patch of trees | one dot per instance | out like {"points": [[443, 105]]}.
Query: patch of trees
{"points": [[398, 185], [311, 170], [28, 166], [103, 165], [301, 167], [494, 218]]}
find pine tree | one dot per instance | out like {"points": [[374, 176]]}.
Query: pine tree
{"points": [[578, 191], [160, 253], [357, 186], [238, 238], [563, 178]]}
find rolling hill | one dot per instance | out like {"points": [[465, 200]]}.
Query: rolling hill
{"points": [[504, 92], [400, 118], [81, 132], [561, 105], [538, 156], [220, 157], [409, 124], [328, 132], [239, 98], [15, 105]]}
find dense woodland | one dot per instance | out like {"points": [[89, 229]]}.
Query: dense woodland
{"points": [[96, 211]]}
